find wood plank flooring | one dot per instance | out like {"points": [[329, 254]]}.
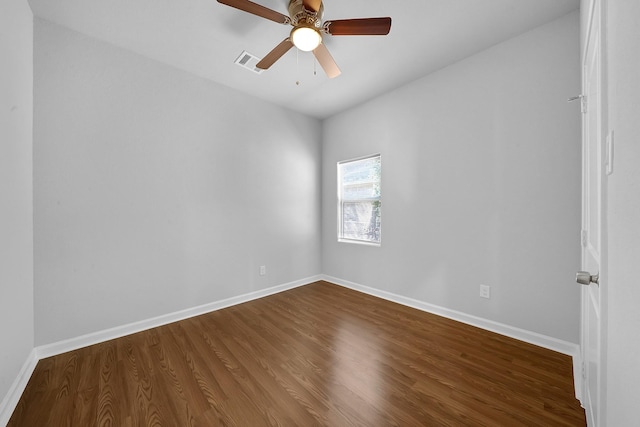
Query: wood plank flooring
{"points": [[318, 355]]}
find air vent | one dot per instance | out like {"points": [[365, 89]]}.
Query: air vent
{"points": [[248, 61]]}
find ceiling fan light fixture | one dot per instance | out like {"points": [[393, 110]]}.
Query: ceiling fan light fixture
{"points": [[306, 38]]}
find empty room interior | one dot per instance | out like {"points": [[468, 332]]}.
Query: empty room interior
{"points": [[205, 223]]}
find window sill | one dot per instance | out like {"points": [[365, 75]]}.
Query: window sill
{"points": [[359, 242]]}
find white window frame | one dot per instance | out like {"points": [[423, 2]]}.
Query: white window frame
{"points": [[341, 201]]}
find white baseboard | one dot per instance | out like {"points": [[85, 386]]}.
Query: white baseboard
{"points": [[131, 328], [530, 337], [8, 404]]}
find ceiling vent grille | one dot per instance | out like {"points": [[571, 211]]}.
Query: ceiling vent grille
{"points": [[248, 61]]}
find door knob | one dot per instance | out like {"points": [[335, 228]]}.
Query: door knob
{"points": [[585, 278]]}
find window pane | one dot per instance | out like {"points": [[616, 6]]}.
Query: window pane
{"points": [[361, 178], [361, 221]]}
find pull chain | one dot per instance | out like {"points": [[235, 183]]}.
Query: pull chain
{"points": [[298, 66]]}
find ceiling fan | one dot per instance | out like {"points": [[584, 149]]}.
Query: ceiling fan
{"points": [[306, 18]]}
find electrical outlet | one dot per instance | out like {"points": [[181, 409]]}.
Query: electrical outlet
{"points": [[263, 270], [485, 291]]}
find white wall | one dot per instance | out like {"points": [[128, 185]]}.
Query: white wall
{"points": [[156, 191], [16, 206], [622, 383], [481, 184]]}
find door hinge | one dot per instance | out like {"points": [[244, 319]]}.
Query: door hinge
{"points": [[583, 238]]}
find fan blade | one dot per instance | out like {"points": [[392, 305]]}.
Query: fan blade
{"points": [[258, 10], [312, 5], [326, 61], [359, 27], [275, 54]]}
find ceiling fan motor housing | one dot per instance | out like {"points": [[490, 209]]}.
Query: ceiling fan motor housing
{"points": [[303, 17]]}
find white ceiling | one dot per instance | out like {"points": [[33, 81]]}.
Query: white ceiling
{"points": [[205, 37]]}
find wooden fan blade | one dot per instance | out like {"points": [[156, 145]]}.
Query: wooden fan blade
{"points": [[313, 5], [359, 27], [257, 9], [326, 61], [275, 54]]}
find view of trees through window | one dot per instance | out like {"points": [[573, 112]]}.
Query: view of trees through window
{"points": [[359, 199]]}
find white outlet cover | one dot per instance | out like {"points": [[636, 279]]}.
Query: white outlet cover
{"points": [[485, 291]]}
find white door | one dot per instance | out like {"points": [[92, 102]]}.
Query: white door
{"points": [[592, 229]]}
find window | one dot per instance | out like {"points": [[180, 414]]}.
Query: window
{"points": [[359, 200]]}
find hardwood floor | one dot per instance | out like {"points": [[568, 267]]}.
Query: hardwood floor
{"points": [[315, 355]]}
